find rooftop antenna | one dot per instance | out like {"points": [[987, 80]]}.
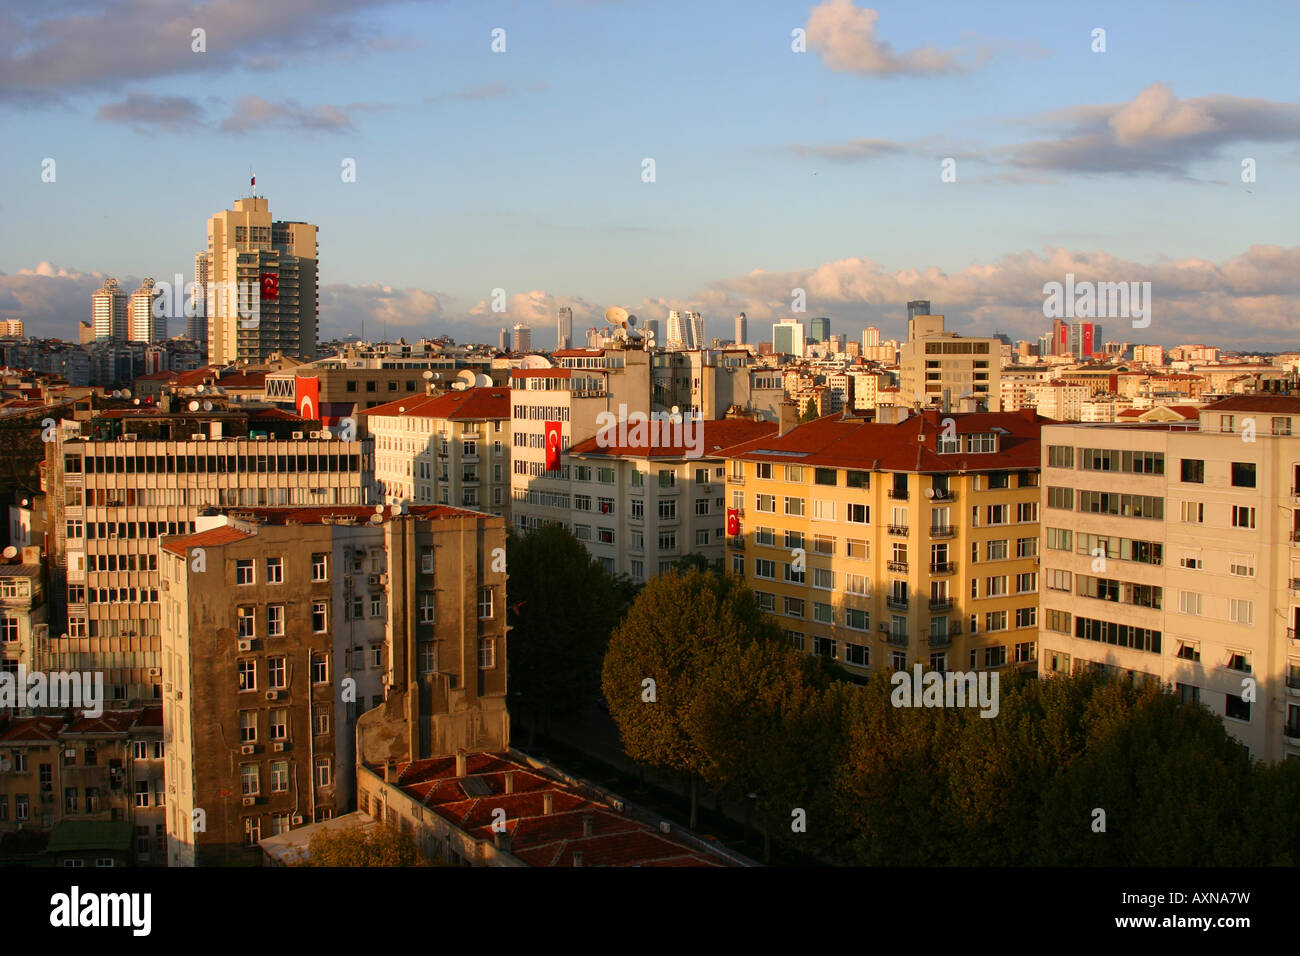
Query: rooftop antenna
{"points": [[252, 183]]}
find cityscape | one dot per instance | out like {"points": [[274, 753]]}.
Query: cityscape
{"points": [[655, 490]]}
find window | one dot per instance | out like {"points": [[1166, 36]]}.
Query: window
{"points": [[1060, 456], [858, 479], [320, 567], [822, 613], [1027, 583], [1234, 706], [1026, 547], [1189, 602], [1192, 512], [1281, 426], [244, 572], [253, 825], [1026, 652], [1060, 539], [793, 576], [1027, 617], [248, 726], [858, 549], [1243, 517], [275, 620], [824, 647], [275, 570], [426, 607], [1243, 474], [1241, 612], [858, 514], [794, 607], [1239, 662], [1192, 470], [275, 672], [667, 509], [487, 653], [823, 544], [484, 603], [996, 655], [142, 793], [825, 476], [794, 506], [823, 510], [247, 672], [997, 550], [1060, 497], [763, 568], [856, 584], [856, 619], [765, 503], [1242, 567], [250, 784], [995, 586], [279, 724], [323, 772], [667, 478], [320, 668], [763, 469], [1058, 580], [319, 616]]}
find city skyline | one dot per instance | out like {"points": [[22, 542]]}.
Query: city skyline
{"points": [[1115, 166]]}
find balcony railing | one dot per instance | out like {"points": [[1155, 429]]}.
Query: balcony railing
{"points": [[898, 494], [941, 604], [899, 530], [943, 494], [897, 566], [940, 640], [1295, 536], [898, 640], [943, 567], [896, 603], [1293, 636], [737, 543], [1293, 683], [954, 628], [1295, 584], [942, 531], [1292, 735]]}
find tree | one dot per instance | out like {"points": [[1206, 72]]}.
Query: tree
{"points": [[811, 413], [656, 675], [381, 845], [563, 605]]}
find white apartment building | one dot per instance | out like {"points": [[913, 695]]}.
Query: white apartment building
{"points": [[1172, 552], [640, 509], [449, 449], [938, 368]]}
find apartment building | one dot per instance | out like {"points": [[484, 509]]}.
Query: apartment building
{"points": [[707, 382], [101, 776], [23, 610], [283, 626], [1171, 552], [449, 449], [939, 368], [639, 508], [564, 400], [120, 480], [896, 542]]}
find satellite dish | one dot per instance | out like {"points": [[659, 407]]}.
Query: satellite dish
{"points": [[379, 509], [535, 361], [137, 401], [207, 406], [116, 394], [10, 552], [403, 507], [376, 519], [929, 492], [199, 389], [631, 320], [615, 315], [483, 381], [396, 509], [194, 406], [428, 375], [401, 408]]}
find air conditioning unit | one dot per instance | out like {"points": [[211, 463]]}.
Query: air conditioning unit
{"points": [[298, 435], [884, 626], [153, 672], [247, 750], [296, 819], [272, 695], [317, 434], [278, 747], [128, 436], [383, 580], [249, 801], [245, 645], [374, 580], [198, 436]]}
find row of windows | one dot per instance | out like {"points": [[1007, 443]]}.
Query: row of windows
{"points": [[210, 464]]}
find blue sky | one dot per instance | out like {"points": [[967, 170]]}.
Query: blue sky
{"points": [[774, 169]]}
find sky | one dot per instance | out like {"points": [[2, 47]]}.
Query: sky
{"points": [[867, 155]]}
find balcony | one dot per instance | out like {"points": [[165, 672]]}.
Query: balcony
{"points": [[1292, 735], [942, 531], [941, 604], [943, 567], [940, 640], [1295, 536], [1295, 584], [896, 603], [898, 566], [737, 543], [940, 495], [897, 639], [1293, 686], [1293, 636], [898, 494], [735, 479], [898, 530]]}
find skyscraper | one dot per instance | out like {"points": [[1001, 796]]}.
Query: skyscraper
{"points": [[696, 322], [196, 328], [821, 329], [564, 328], [262, 285], [108, 312], [917, 307], [741, 331], [523, 338], [870, 337], [503, 341], [788, 337], [142, 325]]}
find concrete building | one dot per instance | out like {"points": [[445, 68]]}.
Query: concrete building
{"points": [[523, 336], [142, 324], [742, 332], [788, 337], [269, 264], [24, 627], [503, 340], [918, 540], [91, 786], [1183, 572], [708, 382], [196, 325], [449, 449], [108, 312], [639, 508], [120, 480], [940, 369], [870, 337], [821, 329], [284, 626], [564, 328], [11, 328], [685, 330]]}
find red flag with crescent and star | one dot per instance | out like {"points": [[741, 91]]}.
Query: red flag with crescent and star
{"points": [[552, 446], [733, 522]]}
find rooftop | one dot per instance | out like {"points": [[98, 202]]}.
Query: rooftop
{"points": [[719, 436], [470, 404]]}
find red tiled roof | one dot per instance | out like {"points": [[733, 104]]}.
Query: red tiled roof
{"points": [[282, 516], [471, 404], [909, 445], [720, 435], [538, 838], [1279, 404], [181, 544], [278, 414], [548, 372], [32, 728], [109, 722]]}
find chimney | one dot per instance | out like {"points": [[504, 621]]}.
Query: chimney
{"points": [[501, 840], [577, 858], [462, 764], [586, 824], [787, 417], [548, 803], [510, 782], [390, 770]]}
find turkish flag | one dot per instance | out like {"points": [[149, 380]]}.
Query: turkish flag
{"points": [[270, 285], [552, 446], [733, 522], [307, 396]]}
